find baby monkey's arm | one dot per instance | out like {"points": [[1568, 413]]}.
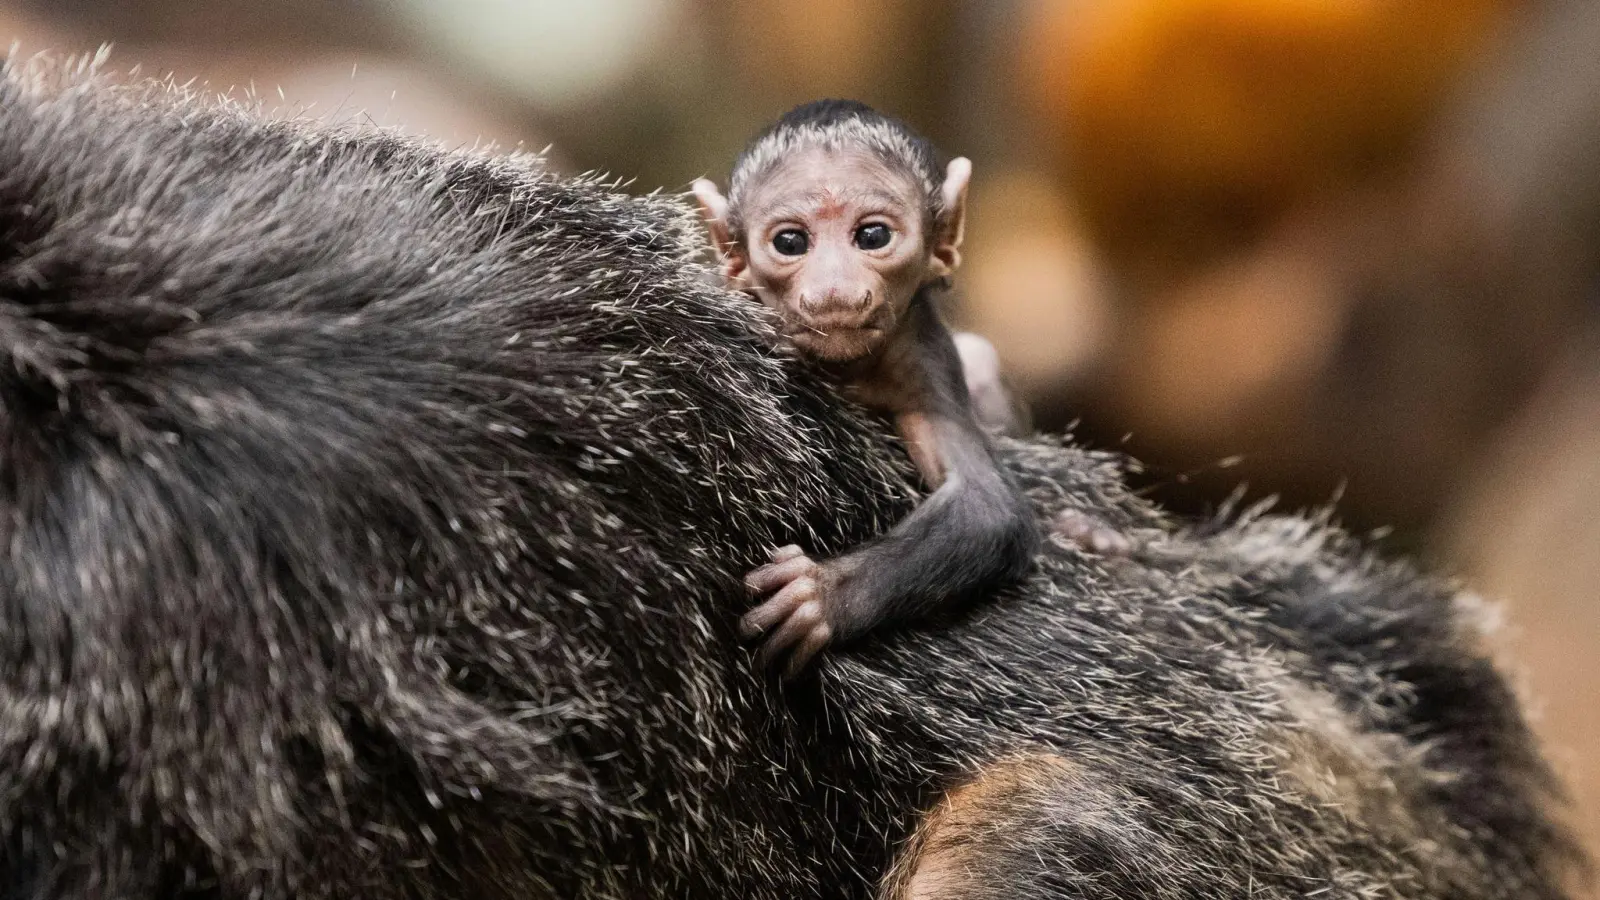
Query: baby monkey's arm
{"points": [[973, 533]]}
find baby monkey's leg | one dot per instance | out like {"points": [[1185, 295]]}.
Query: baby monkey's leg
{"points": [[998, 409]]}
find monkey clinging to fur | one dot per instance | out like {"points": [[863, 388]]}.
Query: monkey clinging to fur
{"points": [[841, 220]]}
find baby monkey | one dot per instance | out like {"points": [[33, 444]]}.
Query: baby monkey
{"points": [[842, 221]]}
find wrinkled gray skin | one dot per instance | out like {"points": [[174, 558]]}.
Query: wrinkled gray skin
{"points": [[372, 519]]}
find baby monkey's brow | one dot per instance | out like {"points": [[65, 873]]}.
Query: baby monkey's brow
{"points": [[806, 204]]}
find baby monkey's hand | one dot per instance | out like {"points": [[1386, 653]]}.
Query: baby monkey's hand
{"points": [[803, 614]]}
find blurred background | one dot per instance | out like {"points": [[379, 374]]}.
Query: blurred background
{"points": [[1331, 250]]}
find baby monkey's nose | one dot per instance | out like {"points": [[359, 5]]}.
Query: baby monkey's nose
{"points": [[850, 298], [836, 299]]}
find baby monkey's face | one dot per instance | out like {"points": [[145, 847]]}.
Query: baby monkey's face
{"points": [[836, 242]]}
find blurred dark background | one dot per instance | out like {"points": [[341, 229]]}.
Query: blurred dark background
{"points": [[1328, 249]]}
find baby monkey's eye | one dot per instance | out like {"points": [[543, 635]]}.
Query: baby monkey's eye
{"points": [[791, 242], [873, 237]]}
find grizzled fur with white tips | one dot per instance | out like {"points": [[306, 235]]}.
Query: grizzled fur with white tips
{"points": [[371, 519]]}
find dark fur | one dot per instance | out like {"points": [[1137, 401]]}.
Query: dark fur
{"points": [[372, 519]]}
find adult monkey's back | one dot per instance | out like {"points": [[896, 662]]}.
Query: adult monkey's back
{"points": [[372, 519]]}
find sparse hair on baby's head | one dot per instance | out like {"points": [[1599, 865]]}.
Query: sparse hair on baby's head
{"points": [[835, 125]]}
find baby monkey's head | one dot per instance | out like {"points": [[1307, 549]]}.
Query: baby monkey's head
{"points": [[835, 217]]}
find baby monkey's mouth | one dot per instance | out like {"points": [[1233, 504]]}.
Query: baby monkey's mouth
{"points": [[837, 332], [837, 344], [837, 319]]}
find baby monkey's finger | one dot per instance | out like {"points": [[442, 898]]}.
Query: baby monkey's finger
{"points": [[786, 553], [814, 643], [780, 607], [807, 616], [775, 575]]}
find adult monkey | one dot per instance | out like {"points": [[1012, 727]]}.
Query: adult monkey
{"points": [[372, 520]]}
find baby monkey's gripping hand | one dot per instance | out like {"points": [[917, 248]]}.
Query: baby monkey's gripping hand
{"points": [[805, 611], [971, 536]]}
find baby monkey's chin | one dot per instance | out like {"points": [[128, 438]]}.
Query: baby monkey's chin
{"points": [[838, 345]]}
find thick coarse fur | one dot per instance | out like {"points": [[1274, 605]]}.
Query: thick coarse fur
{"points": [[372, 519]]}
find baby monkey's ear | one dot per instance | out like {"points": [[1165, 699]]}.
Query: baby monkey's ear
{"points": [[951, 227], [714, 209]]}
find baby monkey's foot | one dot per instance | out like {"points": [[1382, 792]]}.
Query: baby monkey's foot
{"points": [[1090, 533], [796, 617]]}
